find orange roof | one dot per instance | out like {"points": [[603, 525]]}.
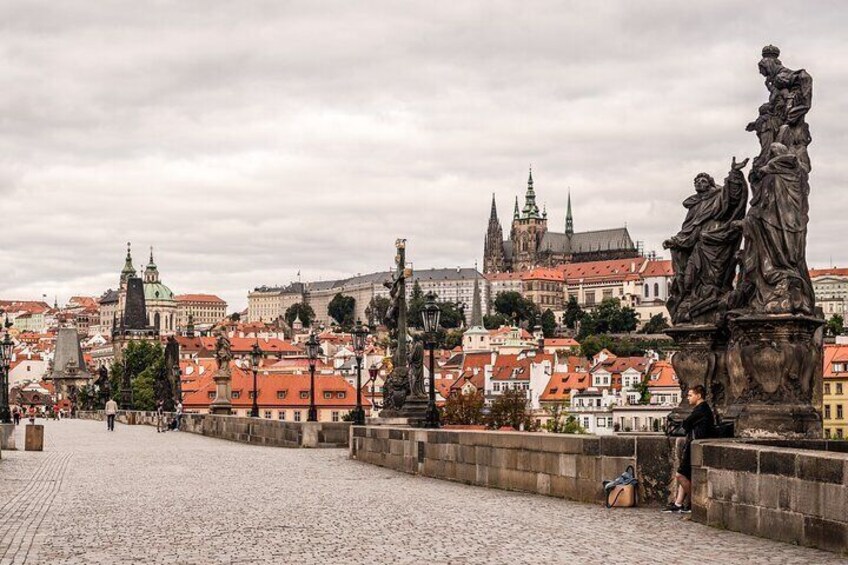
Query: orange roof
{"points": [[271, 386], [617, 269], [561, 342], [662, 375], [510, 367], [835, 354], [238, 344], [199, 298], [542, 273], [561, 385], [833, 271], [660, 268], [472, 361], [502, 276]]}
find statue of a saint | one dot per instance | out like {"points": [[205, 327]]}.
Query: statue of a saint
{"points": [[704, 251], [223, 351], [416, 370]]}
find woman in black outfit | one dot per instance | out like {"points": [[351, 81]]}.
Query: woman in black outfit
{"points": [[699, 425]]}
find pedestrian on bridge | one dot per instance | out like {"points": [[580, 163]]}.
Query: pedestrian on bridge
{"points": [[160, 417], [16, 415], [111, 412]]}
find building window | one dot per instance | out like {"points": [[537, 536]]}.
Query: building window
{"points": [[838, 411], [839, 433], [827, 411], [838, 388], [211, 395], [281, 415], [281, 394], [602, 422], [335, 416], [827, 388], [304, 394], [297, 416], [340, 394], [268, 414], [656, 290], [236, 394]]}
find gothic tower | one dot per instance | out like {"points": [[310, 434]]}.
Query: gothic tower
{"points": [[493, 252], [527, 231], [569, 221]]}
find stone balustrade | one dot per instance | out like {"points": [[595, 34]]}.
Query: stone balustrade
{"points": [[259, 431]]}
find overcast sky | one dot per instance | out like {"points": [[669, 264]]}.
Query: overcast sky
{"points": [[248, 140]]}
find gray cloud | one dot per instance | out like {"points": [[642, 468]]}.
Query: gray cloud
{"points": [[247, 141]]}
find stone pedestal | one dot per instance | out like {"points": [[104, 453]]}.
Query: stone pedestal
{"points": [[774, 363], [415, 410], [700, 361], [7, 437], [222, 403], [34, 438]]}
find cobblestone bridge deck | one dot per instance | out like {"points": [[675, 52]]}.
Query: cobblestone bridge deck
{"points": [[135, 496]]}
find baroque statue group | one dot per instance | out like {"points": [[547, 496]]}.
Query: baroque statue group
{"points": [[741, 299]]}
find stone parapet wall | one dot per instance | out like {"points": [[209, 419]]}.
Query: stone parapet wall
{"points": [[774, 489], [566, 466], [258, 431]]}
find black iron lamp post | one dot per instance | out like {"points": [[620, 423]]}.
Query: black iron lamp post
{"points": [[6, 348], [359, 332], [430, 315], [313, 346], [372, 372], [255, 360]]}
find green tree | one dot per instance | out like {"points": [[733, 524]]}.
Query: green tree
{"points": [[608, 317], [376, 310], [235, 317], [573, 312], [301, 309], [644, 394], [343, 309], [511, 409], [451, 315], [591, 345], [143, 361], [549, 324], [835, 325], [494, 321], [512, 306], [451, 338], [415, 305], [560, 422], [464, 409], [656, 325]]}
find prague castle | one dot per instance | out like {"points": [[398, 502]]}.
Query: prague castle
{"points": [[531, 245]]}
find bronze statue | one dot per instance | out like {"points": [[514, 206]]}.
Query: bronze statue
{"points": [[416, 370], [223, 351], [704, 251]]}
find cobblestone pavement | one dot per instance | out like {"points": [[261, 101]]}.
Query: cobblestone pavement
{"points": [[135, 496]]}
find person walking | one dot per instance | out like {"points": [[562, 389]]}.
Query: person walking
{"points": [[698, 425], [31, 413], [16, 415], [160, 417], [179, 411], [111, 412]]}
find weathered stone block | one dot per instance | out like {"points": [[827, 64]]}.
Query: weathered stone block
{"points": [[820, 468], [617, 446], [746, 488], [612, 467], [741, 518], [590, 491], [781, 525], [588, 468], [567, 465], [543, 483], [834, 502], [699, 488], [721, 485], [777, 463], [775, 491], [825, 534], [565, 487], [561, 443], [805, 497], [716, 510], [482, 474]]}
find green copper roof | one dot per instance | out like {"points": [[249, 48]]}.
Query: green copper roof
{"points": [[157, 291]]}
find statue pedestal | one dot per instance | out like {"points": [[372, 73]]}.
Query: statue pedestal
{"points": [[415, 410], [222, 403], [700, 361], [774, 363], [7, 437]]}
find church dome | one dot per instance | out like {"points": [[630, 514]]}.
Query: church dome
{"points": [[156, 291]]}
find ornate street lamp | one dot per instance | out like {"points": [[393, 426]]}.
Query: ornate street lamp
{"points": [[372, 372], [6, 348], [359, 332], [313, 346], [430, 316], [255, 360]]}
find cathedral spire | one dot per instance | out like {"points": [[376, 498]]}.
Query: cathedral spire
{"points": [[516, 214], [531, 210], [128, 270], [569, 220], [494, 213]]}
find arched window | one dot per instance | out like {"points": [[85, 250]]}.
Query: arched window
{"points": [[646, 290], [656, 289], [156, 320]]}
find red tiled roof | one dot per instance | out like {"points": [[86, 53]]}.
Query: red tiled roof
{"points": [[561, 342], [662, 375], [510, 367], [618, 269], [502, 276], [661, 268], [561, 385], [211, 298], [238, 344], [542, 273], [833, 271], [834, 354]]}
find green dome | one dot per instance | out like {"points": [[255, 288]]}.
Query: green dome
{"points": [[157, 291]]}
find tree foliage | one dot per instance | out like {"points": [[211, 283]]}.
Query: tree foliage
{"points": [[494, 321], [549, 324], [573, 313], [512, 306], [608, 317], [342, 309], [143, 361], [835, 325], [464, 409], [511, 409], [376, 310], [656, 325], [560, 422], [302, 310]]}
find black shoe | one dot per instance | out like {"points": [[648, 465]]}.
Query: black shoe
{"points": [[673, 509], [686, 509]]}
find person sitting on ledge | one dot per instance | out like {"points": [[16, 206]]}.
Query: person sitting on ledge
{"points": [[698, 425]]}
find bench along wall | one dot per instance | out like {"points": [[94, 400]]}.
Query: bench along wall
{"points": [[567, 466], [774, 489], [258, 431]]}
